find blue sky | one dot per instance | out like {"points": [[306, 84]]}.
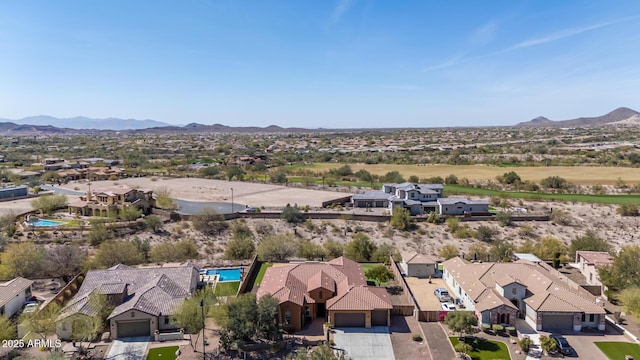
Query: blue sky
{"points": [[317, 63]]}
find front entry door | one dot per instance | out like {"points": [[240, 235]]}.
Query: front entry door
{"points": [[321, 310]]}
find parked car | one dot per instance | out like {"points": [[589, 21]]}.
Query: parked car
{"points": [[30, 307], [563, 345], [448, 306], [442, 294]]}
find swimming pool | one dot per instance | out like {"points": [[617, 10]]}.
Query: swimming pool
{"points": [[224, 274], [45, 223]]}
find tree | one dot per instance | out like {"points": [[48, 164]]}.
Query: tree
{"points": [[461, 322], [560, 217], [379, 273], [628, 210], [292, 214], [504, 218], [8, 223], [183, 250], [485, 233], [153, 223], [248, 318], [239, 229], [452, 179], [501, 251], [164, 199], [363, 175], [478, 252], [43, 322], [623, 273], [333, 249], [510, 178], [209, 222], [235, 172], [278, 177], [401, 219], [548, 247], [241, 247], [64, 261], [130, 213], [590, 241], [547, 344], [448, 251], [21, 259], [414, 179], [392, 177], [7, 329], [89, 328], [344, 170], [310, 250], [276, 248], [630, 298], [360, 248], [99, 233], [382, 252], [554, 182], [189, 314], [209, 171], [48, 203], [267, 311], [113, 252]]}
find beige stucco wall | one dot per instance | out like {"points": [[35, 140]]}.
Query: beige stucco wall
{"points": [[132, 315]]}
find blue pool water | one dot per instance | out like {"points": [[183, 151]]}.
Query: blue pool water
{"points": [[44, 223], [226, 274]]}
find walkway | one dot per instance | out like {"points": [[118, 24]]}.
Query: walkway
{"points": [[438, 341], [524, 329]]}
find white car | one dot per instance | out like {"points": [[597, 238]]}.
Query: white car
{"points": [[31, 307], [448, 306]]}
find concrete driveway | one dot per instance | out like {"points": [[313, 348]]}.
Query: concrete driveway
{"points": [[133, 348], [363, 344]]}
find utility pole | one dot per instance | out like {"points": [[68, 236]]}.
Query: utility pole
{"points": [[204, 342], [232, 211]]}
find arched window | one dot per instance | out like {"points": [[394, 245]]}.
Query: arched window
{"points": [[287, 317]]}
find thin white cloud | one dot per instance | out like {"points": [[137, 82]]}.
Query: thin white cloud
{"points": [[341, 8], [563, 34]]}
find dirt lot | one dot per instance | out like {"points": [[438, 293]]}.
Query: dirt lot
{"points": [[194, 189], [423, 292]]}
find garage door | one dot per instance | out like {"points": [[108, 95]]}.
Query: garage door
{"points": [[557, 322], [349, 320], [133, 328], [379, 318]]}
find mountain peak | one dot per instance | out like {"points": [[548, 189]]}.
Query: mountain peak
{"points": [[620, 115]]}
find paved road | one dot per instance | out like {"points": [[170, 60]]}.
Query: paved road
{"points": [[364, 344], [184, 206], [438, 341]]}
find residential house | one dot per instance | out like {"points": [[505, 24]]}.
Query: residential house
{"points": [[13, 295], [500, 292], [335, 291], [144, 299], [589, 262], [418, 265], [460, 206], [13, 192], [104, 202]]}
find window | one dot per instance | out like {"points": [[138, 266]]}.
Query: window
{"points": [[592, 317], [287, 317], [166, 320], [133, 314], [583, 318], [513, 290]]}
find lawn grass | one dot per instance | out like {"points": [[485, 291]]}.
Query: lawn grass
{"points": [[227, 288], [485, 349], [163, 353], [617, 350], [263, 269], [368, 266], [601, 199]]}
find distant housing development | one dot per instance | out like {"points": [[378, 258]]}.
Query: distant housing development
{"points": [[418, 199], [500, 292]]}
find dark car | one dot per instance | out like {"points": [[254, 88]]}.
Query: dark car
{"points": [[563, 345]]}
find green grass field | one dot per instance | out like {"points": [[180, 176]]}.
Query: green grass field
{"points": [[263, 269], [368, 266], [601, 199], [163, 353], [227, 288], [485, 349], [617, 350]]}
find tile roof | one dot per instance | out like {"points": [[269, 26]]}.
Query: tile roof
{"points": [[548, 292], [152, 290], [415, 258], [595, 257], [342, 276], [490, 299], [453, 200], [11, 288]]}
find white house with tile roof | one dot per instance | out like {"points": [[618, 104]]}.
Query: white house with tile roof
{"points": [[498, 292]]}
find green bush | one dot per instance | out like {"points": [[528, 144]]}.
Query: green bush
{"points": [[416, 337]]}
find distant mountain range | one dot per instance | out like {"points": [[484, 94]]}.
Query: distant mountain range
{"points": [[81, 122], [619, 116], [78, 125]]}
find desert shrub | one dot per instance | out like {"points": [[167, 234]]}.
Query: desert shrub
{"points": [[448, 251], [416, 337], [628, 210], [485, 233], [292, 214], [209, 222], [560, 217], [554, 182], [504, 218]]}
